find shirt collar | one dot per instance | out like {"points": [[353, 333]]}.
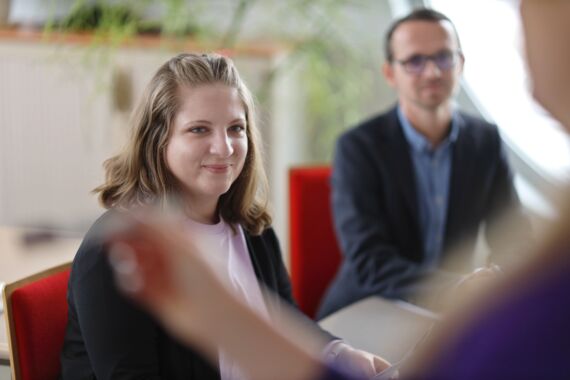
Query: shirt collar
{"points": [[419, 142]]}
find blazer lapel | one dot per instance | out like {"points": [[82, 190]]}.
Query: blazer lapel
{"points": [[261, 266], [402, 170], [461, 170], [253, 257]]}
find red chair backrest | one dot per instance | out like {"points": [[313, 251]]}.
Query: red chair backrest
{"points": [[315, 255], [36, 310]]}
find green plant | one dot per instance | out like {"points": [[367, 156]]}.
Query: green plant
{"points": [[335, 75]]}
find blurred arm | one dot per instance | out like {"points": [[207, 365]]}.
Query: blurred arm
{"points": [[546, 30]]}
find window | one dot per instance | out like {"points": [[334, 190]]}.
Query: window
{"points": [[495, 77]]}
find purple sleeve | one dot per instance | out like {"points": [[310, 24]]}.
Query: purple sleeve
{"points": [[524, 337]]}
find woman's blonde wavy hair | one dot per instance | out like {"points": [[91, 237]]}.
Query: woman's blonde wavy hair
{"points": [[139, 175]]}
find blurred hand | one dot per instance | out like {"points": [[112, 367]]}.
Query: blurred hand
{"points": [[156, 263], [360, 362], [477, 281]]}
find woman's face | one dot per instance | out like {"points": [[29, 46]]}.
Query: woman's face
{"points": [[207, 146]]}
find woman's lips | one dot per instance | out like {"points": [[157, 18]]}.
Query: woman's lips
{"points": [[217, 168]]}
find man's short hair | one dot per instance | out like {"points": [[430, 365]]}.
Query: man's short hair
{"points": [[418, 14]]}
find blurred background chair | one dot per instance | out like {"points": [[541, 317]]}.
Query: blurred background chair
{"points": [[315, 255], [36, 316]]}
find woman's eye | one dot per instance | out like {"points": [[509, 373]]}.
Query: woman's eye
{"points": [[197, 130], [237, 128]]}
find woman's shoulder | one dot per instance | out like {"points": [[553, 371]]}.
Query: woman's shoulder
{"points": [[96, 234], [91, 251], [268, 235]]}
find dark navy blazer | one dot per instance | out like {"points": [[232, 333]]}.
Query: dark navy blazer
{"points": [[376, 213]]}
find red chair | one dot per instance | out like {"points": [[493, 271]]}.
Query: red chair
{"points": [[315, 255], [36, 316]]}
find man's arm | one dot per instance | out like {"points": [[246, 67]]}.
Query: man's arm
{"points": [[545, 23]]}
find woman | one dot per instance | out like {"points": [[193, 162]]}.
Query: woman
{"points": [[194, 148], [519, 330]]}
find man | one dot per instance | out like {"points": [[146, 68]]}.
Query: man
{"points": [[410, 183]]}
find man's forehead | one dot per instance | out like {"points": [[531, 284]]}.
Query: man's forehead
{"points": [[423, 37]]}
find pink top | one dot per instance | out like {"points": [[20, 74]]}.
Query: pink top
{"points": [[228, 255]]}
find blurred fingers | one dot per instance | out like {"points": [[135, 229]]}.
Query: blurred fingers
{"points": [[380, 364], [125, 268]]}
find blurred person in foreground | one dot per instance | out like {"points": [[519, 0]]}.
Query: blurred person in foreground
{"points": [[519, 330], [194, 148], [410, 184]]}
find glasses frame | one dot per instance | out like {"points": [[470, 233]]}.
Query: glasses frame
{"points": [[456, 56]]}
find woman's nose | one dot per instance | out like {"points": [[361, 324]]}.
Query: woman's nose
{"points": [[221, 145]]}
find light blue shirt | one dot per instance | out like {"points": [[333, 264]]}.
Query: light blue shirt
{"points": [[432, 171]]}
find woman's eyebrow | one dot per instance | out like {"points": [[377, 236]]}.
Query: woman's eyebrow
{"points": [[198, 122]]}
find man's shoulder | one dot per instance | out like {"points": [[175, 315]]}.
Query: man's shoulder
{"points": [[478, 135], [476, 124]]}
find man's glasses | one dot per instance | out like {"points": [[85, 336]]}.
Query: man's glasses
{"points": [[416, 64]]}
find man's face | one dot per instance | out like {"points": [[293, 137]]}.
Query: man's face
{"points": [[433, 86]]}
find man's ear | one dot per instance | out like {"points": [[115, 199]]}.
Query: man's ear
{"points": [[461, 62], [388, 71]]}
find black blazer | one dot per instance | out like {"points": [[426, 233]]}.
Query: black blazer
{"points": [[108, 337], [376, 213]]}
